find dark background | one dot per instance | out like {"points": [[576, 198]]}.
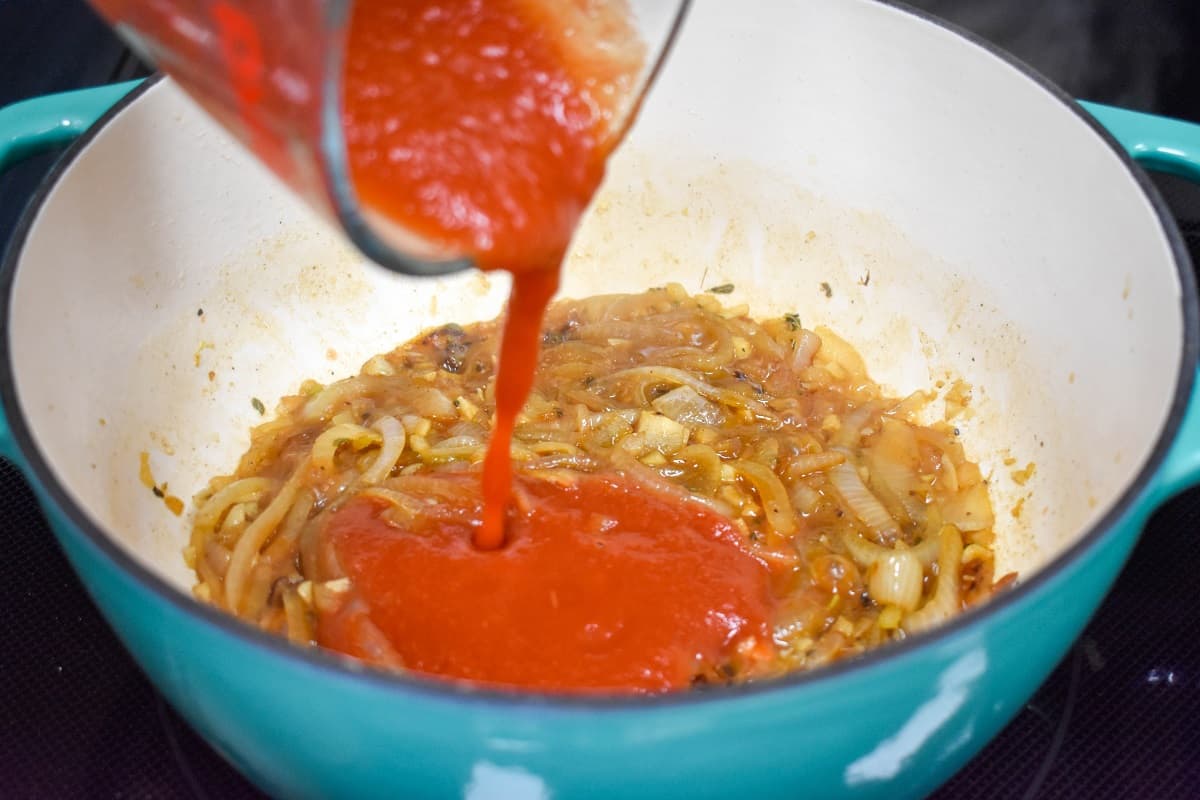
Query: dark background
{"points": [[1119, 718]]}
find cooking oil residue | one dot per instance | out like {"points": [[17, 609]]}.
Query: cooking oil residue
{"points": [[173, 503]]}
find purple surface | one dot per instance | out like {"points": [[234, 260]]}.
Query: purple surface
{"points": [[1117, 719]]}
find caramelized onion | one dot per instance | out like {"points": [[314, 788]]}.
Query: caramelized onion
{"points": [[945, 601], [862, 503], [771, 493]]}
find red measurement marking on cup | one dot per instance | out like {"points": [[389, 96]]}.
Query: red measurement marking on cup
{"points": [[242, 49]]}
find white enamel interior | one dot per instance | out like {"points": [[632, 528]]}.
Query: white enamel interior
{"points": [[787, 145]]}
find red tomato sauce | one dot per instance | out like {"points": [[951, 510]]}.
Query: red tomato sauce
{"points": [[602, 585], [464, 122], [480, 127]]}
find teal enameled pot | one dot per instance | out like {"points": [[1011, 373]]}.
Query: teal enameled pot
{"points": [[946, 209]]}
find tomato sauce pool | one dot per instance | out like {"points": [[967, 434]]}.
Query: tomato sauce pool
{"points": [[483, 126], [603, 585]]}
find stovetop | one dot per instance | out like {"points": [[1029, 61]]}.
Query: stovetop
{"points": [[1118, 718]]}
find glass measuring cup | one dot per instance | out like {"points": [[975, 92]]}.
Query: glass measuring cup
{"points": [[271, 72]]}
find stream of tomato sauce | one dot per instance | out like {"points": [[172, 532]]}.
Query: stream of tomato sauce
{"points": [[481, 126], [477, 126]]}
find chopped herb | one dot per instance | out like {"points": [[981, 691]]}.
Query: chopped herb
{"points": [[157, 491], [724, 288], [793, 321], [826, 289], [258, 405]]}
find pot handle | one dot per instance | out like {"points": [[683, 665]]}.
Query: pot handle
{"points": [[1173, 146], [1157, 143], [31, 126]]}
